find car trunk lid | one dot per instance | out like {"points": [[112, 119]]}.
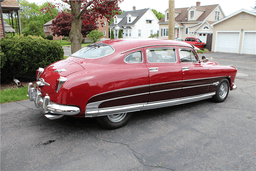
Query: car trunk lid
{"points": [[55, 71]]}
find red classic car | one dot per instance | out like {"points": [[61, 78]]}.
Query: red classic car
{"points": [[195, 41], [110, 79]]}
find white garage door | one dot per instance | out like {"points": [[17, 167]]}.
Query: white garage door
{"points": [[249, 43], [227, 42]]}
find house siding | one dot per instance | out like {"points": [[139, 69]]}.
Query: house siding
{"points": [[235, 23], [212, 15]]}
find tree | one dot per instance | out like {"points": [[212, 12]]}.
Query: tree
{"points": [[159, 15], [95, 35], [86, 12], [62, 25], [33, 28], [31, 12], [112, 34]]}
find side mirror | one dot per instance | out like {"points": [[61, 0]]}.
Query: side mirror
{"points": [[204, 59]]}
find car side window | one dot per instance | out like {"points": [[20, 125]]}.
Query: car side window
{"points": [[161, 55], [187, 55], [135, 57]]}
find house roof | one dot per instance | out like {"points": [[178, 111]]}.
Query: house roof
{"points": [[9, 5], [48, 23], [234, 14], [183, 13], [123, 22]]}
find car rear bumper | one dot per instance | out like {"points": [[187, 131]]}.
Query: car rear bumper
{"points": [[52, 110], [234, 87]]}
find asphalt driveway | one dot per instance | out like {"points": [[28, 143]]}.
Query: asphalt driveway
{"points": [[199, 136]]}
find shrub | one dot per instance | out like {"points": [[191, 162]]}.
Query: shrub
{"points": [[49, 37], [154, 35], [206, 50], [112, 34], [120, 35], [24, 55], [95, 35], [200, 51], [65, 38]]}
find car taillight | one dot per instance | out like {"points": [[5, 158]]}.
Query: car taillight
{"points": [[39, 71], [59, 83]]}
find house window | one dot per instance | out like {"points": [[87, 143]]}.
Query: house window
{"points": [[217, 15], [167, 16], [151, 32], [104, 23], [115, 20], [129, 19], [104, 33], [187, 30], [164, 32], [192, 15], [126, 33], [205, 28], [148, 21], [139, 33], [130, 33]]}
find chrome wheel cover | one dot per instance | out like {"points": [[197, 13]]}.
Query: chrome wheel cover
{"points": [[223, 90], [117, 117]]}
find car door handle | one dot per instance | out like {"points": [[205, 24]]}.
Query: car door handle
{"points": [[155, 69], [185, 68]]}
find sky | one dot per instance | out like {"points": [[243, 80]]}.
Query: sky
{"points": [[228, 6]]}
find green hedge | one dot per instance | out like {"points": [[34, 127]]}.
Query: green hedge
{"points": [[22, 56], [49, 37]]}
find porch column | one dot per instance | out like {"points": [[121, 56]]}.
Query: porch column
{"points": [[179, 32]]}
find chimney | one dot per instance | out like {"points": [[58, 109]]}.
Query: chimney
{"points": [[198, 3], [134, 8]]}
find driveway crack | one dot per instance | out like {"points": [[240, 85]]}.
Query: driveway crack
{"points": [[137, 155]]}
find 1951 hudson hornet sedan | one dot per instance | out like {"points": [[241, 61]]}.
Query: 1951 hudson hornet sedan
{"points": [[109, 80]]}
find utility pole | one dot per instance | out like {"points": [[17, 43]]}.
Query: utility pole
{"points": [[171, 19]]}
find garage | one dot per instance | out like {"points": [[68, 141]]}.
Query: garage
{"points": [[235, 33], [249, 43], [227, 42]]}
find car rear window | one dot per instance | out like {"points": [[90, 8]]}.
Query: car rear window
{"points": [[94, 51]]}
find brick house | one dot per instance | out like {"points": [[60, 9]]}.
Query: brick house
{"points": [[104, 29]]}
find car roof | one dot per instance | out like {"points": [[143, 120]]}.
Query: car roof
{"points": [[123, 45]]}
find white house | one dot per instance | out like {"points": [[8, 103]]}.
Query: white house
{"points": [[135, 24]]}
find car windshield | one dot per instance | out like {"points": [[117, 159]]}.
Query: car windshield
{"points": [[94, 51]]}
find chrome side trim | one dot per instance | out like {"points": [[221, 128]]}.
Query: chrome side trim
{"points": [[145, 106], [153, 45], [159, 91], [173, 102], [94, 106], [60, 70]]}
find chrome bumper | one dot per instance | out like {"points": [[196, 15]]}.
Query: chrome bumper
{"points": [[234, 87], [52, 110]]}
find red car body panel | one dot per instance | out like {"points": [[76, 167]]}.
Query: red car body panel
{"points": [[195, 41], [112, 82]]}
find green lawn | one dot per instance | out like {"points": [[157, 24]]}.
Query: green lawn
{"points": [[65, 43], [13, 95]]}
